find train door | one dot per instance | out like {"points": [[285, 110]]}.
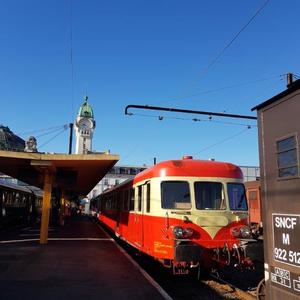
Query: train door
{"points": [[138, 217]]}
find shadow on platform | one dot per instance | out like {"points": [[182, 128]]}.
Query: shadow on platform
{"points": [[80, 261]]}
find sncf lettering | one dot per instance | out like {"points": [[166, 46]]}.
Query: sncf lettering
{"points": [[285, 222]]}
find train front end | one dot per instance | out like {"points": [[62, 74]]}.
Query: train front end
{"points": [[204, 215]]}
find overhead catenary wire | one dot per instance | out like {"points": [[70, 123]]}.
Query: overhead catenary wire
{"points": [[55, 136], [162, 117], [217, 57], [48, 130], [232, 86], [65, 127], [223, 141], [294, 75], [222, 51]]}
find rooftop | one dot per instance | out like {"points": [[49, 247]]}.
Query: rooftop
{"points": [[291, 88], [9, 141]]}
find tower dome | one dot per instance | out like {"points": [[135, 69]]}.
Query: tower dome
{"points": [[9, 141], [85, 110]]}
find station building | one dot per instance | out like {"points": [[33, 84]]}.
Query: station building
{"points": [[279, 152]]}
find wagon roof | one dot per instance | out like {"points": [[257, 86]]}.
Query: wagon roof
{"points": [[191, 168]]}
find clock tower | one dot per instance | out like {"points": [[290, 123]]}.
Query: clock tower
{"points": [[84, 128]]}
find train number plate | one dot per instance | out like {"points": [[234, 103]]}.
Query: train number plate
{"points": [[286, 241]]}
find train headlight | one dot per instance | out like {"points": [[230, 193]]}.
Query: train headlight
{"points": [[245, 232], [188, 232], [235, 232], [182, 233], [241, 232], [178, 232]]}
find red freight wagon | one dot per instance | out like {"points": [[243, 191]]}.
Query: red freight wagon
{"points": [[254, 205]]}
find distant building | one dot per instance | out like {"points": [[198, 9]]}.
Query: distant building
{"points": [[250, 173], [84, 128], [115, 176], [279, 153], [9, 141]]}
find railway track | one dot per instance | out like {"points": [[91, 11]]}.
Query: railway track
{"points": [[229, 290], [214, 286]]}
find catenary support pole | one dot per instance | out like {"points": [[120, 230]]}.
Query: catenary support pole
{"points": [[71, 138]]}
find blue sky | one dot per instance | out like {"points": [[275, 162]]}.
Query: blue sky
{"points": [[145, 52]]}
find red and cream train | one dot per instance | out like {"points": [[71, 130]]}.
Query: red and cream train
{"points": [[185, 213]]}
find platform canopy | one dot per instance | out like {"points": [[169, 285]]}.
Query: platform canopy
{"points": [[76, 174]]}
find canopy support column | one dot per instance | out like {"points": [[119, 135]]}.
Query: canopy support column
{"points": [[48, 178]]}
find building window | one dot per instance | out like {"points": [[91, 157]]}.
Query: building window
{"points": [[123, 171], [105, 181], [133, 171], [117, 181], [112, 171], [287, 160]]}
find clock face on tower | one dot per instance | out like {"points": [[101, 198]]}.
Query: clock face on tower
{"points": [[85, 125]]}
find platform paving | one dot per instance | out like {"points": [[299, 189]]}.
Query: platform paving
{"points": [[80, 261]]}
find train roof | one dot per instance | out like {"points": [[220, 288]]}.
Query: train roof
{"points": [[187, 167], [191, 168], [22, 188]]}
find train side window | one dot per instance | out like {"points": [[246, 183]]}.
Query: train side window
{"points": [[110, 199], [237, 196], [119, 200], [126, 206], [175, 194], [139, 198], [287, 160], [116, 200], [148, 197], [209, 195], [131, 199], [113, 201]]}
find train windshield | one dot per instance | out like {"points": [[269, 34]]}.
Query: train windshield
{"points": [[209, 195], [175, 194], [237, 196]]}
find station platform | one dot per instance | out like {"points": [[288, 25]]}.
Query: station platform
{"points": [[80, 261]]}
